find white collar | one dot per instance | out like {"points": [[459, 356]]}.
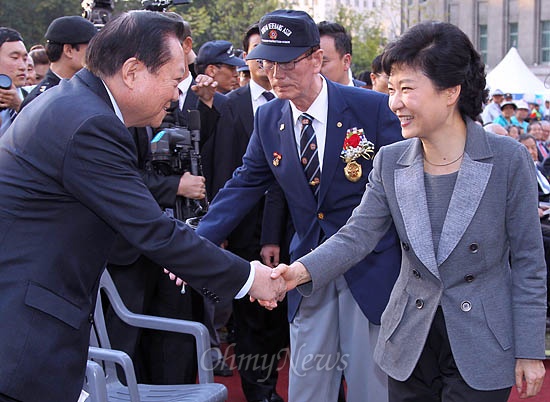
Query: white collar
{"points": [[256, 90], [318, 109], [113, 101]]}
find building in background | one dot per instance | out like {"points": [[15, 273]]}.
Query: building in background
{"points": [[386, 12], [494, 26]]}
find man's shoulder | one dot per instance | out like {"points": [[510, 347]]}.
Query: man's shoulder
{"points": [[238, 93]]}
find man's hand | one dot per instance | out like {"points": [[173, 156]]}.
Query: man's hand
{"points": [[9, 98], [270, 254], [205, 88], [264, 288], [192, 186], [529, 377], [294, 274]]}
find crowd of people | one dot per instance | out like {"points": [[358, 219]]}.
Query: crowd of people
{"points": [[385, 236]]}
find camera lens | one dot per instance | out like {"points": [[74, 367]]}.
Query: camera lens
{"points": [[5, 81]]}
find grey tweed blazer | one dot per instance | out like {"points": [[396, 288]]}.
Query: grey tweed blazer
{"points": [[488, 274]]}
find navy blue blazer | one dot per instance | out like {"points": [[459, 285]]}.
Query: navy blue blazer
{"points": [[372, 279], [68, 184]]}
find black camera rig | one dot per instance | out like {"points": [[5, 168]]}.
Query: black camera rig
{"points": [[174, 151], [99, 12]]}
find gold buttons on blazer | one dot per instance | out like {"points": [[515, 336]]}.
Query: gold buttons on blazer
{"points": [[321, 215]]}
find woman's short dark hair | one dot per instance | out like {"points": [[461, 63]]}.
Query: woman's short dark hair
{"points": [[446, 56], [140, 34]]}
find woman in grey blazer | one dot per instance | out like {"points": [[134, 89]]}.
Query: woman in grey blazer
{"points": [[466, 318]]}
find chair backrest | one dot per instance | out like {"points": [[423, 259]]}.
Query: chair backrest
{"points": [[100, 338], [95, 383]]}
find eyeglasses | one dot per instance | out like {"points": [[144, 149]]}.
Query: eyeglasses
{"points": [[288, 66]]}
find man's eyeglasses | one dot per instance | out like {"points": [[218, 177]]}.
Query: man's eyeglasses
{"points": [[288, 66]]}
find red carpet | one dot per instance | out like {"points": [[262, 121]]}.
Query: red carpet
{"points": [[233, 385]]}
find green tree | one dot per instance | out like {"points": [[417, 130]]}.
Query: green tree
{"points": [[32, 17], [225, 19], [367, 36]]}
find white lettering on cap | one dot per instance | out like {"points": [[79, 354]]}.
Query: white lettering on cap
{"points": [[277, 27]]}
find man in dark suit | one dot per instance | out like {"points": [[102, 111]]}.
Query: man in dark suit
{"points": [[337, 54], [159, 357], [67, 40], [302, 153], [257, 331], [69, 184], [13, 63]]}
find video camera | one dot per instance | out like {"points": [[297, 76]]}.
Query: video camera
{"points": [[98, 12], [174, 151], [161, 5]]}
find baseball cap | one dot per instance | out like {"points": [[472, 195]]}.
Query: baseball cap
{"points": [[218, 52], [286, 34], [521, 104], [70, 29], [508, 103]]}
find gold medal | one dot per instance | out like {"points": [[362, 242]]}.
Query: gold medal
{"points": [[353, 171]]}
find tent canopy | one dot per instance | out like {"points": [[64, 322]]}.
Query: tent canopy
{"points": [[512, 75]]}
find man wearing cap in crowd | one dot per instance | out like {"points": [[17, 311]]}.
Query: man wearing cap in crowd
{"points": [[334, 331], [217, 60], [67, 40], [13, 64], [507, 118], [522, 114], [492, 110]]}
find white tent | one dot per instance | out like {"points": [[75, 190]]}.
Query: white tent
{"points": [[512, 75]]}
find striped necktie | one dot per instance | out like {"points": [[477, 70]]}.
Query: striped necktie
{"points": [[13, 114], [308, 153]]}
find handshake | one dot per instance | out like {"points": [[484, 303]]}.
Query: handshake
{"points": [[270, 284]]}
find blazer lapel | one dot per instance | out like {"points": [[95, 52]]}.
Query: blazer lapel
{"points": [[411, 198], [470, 186], [337, 124]]}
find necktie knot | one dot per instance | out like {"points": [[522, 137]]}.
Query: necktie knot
{"points": [[268, 95]]}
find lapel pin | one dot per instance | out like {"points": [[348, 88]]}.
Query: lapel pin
{"points": [[277, 158], [282, 127], [339, 124]]}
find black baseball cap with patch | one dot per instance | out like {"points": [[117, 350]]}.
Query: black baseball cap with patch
{"points": [[286, 34], [218, 52]]}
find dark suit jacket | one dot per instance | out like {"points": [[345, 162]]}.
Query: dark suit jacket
{"points": [[50, 80], [372, 279], [232, 137], [69, 184]]}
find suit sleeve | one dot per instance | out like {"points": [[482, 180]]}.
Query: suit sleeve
{"points": [[368, 223], [100, 170], [248, 184]]}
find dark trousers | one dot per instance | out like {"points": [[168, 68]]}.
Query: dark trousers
{"points": [[261, 337], [159, 357], [436, 377]]}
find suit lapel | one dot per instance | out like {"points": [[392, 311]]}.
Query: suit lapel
{"points": [[411, 198], [470, 186], [337, 124], [246, 115]]}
